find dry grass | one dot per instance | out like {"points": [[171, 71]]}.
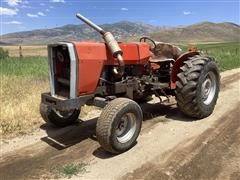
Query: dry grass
{"points": [[20, 98], [39, 50]]}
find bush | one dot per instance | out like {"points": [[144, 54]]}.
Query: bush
{"points": [[3, 53]]}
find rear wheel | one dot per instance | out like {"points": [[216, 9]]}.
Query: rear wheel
{"points": [[58, 118], [198, 86], [119, 125]]}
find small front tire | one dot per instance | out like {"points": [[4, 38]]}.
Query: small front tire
{"points": [[119, 125], [58, 118]]}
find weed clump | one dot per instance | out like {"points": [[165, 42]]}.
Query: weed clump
{"points": [[69, 170]]}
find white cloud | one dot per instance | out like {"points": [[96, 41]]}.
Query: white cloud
{"points": [[41, 14], [47, 10], [7, 11], [58, 1], [12, 22], [15, 2], [32, 15], [51, 7], [187, 13], [42, 4], [124, 9], [36, 15]]}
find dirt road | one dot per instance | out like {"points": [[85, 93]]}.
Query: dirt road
{"points": [[171, 146]]}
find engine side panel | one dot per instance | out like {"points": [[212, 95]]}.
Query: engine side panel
{"points": [[93, 56], [133, 53], [88, 76]]}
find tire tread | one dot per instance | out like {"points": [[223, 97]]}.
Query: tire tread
{"points": [[104, 122], [187, 83]]}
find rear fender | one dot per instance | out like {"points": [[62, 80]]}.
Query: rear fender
{"points": [[177, 65]]}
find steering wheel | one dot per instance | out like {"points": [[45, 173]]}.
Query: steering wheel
{"points": [[144, 39]]}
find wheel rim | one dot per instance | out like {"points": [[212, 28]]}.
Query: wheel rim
{"points": [[209, 88], [126, 128], [63, 114]]}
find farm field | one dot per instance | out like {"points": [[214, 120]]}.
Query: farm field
{"points": [[24, 79], [27, 50], [226, 54]]}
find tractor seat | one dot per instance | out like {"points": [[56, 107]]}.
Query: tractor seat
{"points": [[165, 52]]}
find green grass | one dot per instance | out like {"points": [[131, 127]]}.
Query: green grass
{"points": [[226, 54], [69, 170], [22, 80], [31, 67]]}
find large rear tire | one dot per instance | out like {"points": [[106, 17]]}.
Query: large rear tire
{"points": [[119, 125], [198, 86], [58, 118]]}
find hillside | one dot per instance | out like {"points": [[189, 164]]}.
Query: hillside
{"points": [[121, 30], [201, 32]]}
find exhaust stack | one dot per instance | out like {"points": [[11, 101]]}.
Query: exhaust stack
{"points": [[111, 43]]}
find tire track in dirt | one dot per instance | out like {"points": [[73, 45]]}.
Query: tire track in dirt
{"points": [[225, 81], [72, 144], [205, 158], [39, 159]]}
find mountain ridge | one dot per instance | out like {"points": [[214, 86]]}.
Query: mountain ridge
{"points": [[126, 30]]}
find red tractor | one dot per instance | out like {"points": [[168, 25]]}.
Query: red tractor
{"points": [[117, 76]]}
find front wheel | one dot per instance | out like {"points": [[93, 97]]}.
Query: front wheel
{"points": [[58, 118], [198, 86], [119, 125]]}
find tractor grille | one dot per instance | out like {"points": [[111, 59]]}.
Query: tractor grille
{"points": [[62, 64]]}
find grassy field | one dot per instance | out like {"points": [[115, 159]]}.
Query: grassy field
{"points": [[26, 50], [226, 54], [22, 82], [24, 79]]}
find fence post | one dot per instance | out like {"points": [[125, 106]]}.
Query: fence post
{"points": [[20, 52]]}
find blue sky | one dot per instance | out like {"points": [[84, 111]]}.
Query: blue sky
{"points": [[23, 15]]}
